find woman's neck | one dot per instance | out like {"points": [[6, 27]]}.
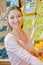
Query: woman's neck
{"points": [[17, 31]]}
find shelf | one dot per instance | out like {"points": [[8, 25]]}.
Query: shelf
{"points": [[4, 62]]}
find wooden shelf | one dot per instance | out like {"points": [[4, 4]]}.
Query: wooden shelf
{"points": [[4, 62]]}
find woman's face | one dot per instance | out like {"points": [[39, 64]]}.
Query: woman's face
{"points": [[15, 19]]}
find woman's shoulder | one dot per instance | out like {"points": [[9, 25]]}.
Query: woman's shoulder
{"points": [[8, 38], [27, 33], [25, 30]]}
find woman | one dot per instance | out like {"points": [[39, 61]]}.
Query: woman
{"points": [[17, 42]]}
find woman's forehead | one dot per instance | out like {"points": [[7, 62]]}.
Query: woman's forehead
{"points": [[15, 11]]}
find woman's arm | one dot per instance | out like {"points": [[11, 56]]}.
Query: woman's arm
{"points": [[13, 46], [29, 46]]}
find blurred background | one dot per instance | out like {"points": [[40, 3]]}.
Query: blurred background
{"points": [[33, 21]]}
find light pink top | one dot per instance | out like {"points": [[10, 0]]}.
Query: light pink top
{"points": [[17, 54]]}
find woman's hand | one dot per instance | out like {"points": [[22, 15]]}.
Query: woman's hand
{"points": [[39, 53]]}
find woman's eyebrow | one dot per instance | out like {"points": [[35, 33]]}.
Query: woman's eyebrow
{"points": [[11, 15]]}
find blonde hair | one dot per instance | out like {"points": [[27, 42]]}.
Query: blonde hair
{"points": [[12, 8]]}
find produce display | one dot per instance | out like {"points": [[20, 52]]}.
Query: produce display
{"points": [[39, 22], [39, 49]]}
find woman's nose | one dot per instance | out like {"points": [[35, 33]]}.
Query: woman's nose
{"points": [[16, 19]]}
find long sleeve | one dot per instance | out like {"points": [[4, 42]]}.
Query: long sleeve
{"points": [[12, 45]]}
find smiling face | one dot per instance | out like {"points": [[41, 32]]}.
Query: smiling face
{"points": [[15, 18]]}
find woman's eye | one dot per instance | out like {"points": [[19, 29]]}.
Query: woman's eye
{"points": [[11, 17], [19, 16]]}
